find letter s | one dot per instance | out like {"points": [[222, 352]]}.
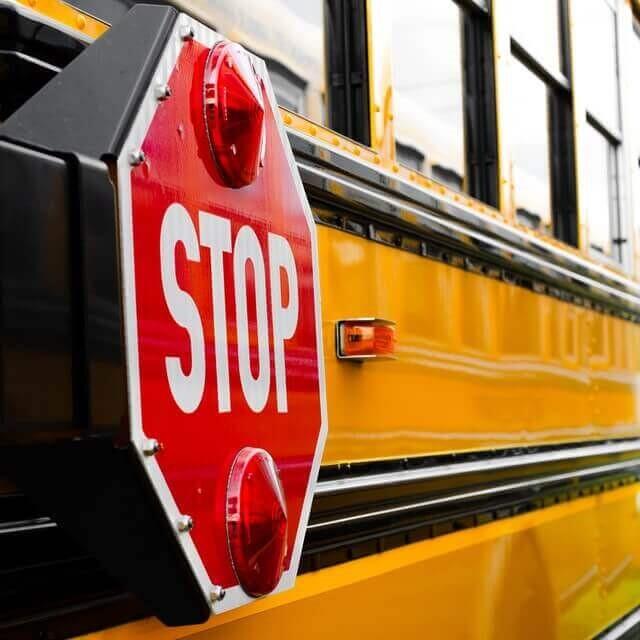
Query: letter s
{"points": [[187, 388]]}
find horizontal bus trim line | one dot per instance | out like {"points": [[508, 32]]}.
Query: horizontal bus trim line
{"points": [[538, 482], [358, 185], [345, 540], [503, 460]]}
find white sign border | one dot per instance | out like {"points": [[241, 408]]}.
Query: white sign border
{"points": [[235, 596]]}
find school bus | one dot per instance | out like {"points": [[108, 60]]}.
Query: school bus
{"points": [[473, 171]]}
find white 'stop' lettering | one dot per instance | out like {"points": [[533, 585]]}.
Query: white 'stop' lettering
{"points": [[215, 235]]}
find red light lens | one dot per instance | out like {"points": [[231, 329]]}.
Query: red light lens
{"points": [[256, 521], [234, 114]]}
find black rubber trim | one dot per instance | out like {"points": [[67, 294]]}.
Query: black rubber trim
{"points": [[333, 537]]}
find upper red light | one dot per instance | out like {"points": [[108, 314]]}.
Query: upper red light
{"points": [[234, 114], [256, 521]]}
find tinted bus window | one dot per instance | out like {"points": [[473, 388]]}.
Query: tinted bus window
{"points": [[600, 34], [529, 134], [601, 203], [428, 88], [536, 26]]}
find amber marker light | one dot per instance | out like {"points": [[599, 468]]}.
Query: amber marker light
{"points": [[365, 339]]}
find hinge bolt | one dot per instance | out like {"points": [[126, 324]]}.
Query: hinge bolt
{"points": [[151, 447], [137, 157], [162, 91], [186, 32], [185, 523], [217, 593]]}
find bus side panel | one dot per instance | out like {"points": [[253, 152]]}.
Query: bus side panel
{"points": [[481, 363], [527, 577]]}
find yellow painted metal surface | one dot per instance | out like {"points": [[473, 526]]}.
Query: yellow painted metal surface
{"points": [[68, 16], [481, 363], [526, 577]]}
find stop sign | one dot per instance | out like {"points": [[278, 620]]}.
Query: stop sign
{"points": [[221, 316]]}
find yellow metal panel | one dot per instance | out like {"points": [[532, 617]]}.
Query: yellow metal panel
{"points": [[380, 84], [526, 577], [67, 15], [481, 363]]}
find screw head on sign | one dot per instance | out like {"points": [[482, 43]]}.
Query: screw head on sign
{"points": [[217, 593], [137, 157], [162, 92], [187, 32], [151, 447], [185, 523]]}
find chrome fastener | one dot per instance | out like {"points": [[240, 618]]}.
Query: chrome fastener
{"points": [[151, 446], [217, 593], [187, 32], [185, 523], [137, 157], [162, 91]]}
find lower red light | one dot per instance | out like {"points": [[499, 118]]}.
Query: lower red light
{"points": [[257, 525]]}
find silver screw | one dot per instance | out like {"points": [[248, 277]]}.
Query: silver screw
{"points": [[217, 593], [162, 92], [151, 446], [186, 32], [136, 157], [185, 523]]}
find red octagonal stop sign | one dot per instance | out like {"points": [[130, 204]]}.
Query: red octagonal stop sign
{"points": [[222, 325]]}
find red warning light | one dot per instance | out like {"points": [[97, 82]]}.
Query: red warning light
{"points": [[234, 114], [256, 521]]}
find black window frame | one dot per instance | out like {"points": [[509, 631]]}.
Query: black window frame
{"points": [[347, 54], [480, 108], [564, 209]]}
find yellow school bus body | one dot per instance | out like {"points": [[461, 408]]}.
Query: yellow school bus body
{"points": [[481, 365], [563, 572]]}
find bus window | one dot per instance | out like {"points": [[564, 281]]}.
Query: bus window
{"points": [[289, 35], [428, 88], [536, 26], [602, 136], [540, 119], [601, 202], [530, 153], [602, 89]]}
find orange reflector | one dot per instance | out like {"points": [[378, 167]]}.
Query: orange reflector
{"points": [[366, 338]]}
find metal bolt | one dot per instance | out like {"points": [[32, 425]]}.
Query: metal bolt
{"points": [[151, 447], [137, 157], [185, 523], [217, 593], [186, 32], [162, 91]]}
